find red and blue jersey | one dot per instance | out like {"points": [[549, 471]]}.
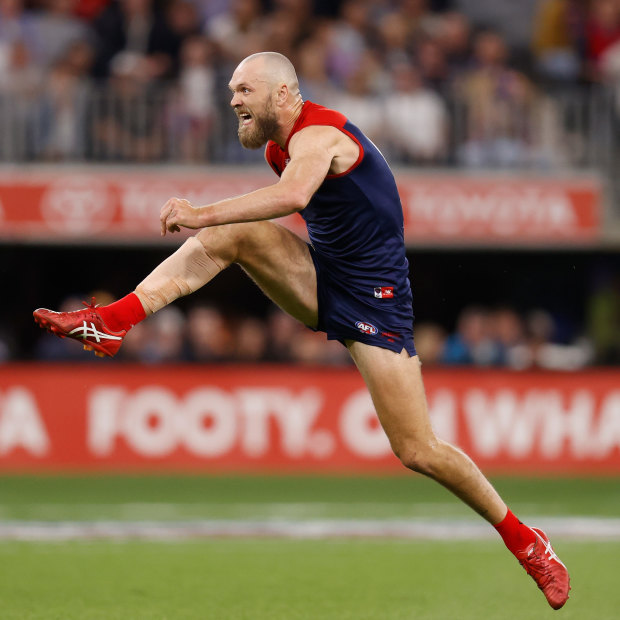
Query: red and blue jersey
{"points": [[355, 225]]}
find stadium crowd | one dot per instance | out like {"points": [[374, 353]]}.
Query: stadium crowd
{"points": [[431, 81], [497, 337]]}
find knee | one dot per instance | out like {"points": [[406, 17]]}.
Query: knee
{"points": [[423, 457], [228, 242]]}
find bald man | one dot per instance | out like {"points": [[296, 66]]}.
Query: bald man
{"points": [[351, 281]]}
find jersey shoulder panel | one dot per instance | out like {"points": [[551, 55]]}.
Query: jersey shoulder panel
{"points": [[311, 114], [315, 114]]}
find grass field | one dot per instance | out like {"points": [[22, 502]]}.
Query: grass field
{"points": [[288, 579]]}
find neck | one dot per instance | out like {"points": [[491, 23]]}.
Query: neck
{"points": [[290, 118]]}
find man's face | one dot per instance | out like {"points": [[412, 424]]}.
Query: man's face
{"points": [[253, 105]]}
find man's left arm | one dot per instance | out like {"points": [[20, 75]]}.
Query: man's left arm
{"points": [[311, 151]]}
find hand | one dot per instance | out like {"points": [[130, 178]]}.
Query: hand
{"points": [[178, 212]]}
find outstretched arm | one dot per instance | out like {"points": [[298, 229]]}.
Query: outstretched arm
{"points": [[312, 151]]}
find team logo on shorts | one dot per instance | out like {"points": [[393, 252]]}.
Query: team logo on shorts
{"points": [[366, 328], [384, 292]]}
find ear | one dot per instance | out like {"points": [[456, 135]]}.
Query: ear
{"points": [[281, 95]]}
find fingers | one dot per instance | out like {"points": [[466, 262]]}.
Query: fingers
{"points": [[167, 216], [163, 216], [175, 213]]}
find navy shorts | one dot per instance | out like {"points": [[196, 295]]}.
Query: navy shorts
{"points": [[347, 314]]}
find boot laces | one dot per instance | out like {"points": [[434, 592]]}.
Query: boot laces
{"points": [[92, 305]]}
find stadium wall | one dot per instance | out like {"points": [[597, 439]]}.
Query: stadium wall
{"points": [[74, 418], [92, 204]]}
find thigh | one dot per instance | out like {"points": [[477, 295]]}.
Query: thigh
{"points": [[276, 259], [394, 381]]}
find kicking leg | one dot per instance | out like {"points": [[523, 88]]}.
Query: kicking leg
{"points": [[277, 260]]}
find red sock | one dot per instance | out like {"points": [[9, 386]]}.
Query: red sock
{"points": [[123, 314], [515, 534]]}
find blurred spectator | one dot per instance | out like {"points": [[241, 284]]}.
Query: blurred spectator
{"points": [[250, 340], [550, 355], [182, 21], [299, 17], [602, 33], [20, 75], [421, 22], [415, 118], [314, 82], [335, 354], [166, 337], [134, 32], [57, 29], [63, 106], [89, 9], [20, 87], [558, 39], [512, 19], [20, 78], [500, 104], [130, 115], [208, 336], [308, 348], [239, 31], [136, 343], [16, 25], [396, 44], [347, 45], [454, 38], [508, 331], [194, 111], [282, 330], [472, 342], [283, 32], [430, 340], [359, 101], [209, 9], [433, 65], [603, 44]]}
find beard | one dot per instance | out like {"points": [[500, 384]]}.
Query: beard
{"points": [[261, 129]]}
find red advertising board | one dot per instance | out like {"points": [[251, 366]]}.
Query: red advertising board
{"points": [[92, 204], [265, 419], [510, 209]]}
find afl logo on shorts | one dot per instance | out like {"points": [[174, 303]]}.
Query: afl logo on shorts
{"points": [[366, 328]]}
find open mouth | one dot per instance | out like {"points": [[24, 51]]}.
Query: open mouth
{"points": [[245, 118]]}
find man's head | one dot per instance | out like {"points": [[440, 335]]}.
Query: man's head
{"points": [[265, 96]]}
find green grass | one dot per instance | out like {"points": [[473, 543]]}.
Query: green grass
{"points": [[289, 580], [276, 579], [202, 497]]}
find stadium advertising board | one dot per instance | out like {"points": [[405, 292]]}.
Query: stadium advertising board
{"points": [[261, 419], [89, 205]]}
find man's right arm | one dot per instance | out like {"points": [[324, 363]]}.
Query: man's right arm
{"points": [[311, 157]]}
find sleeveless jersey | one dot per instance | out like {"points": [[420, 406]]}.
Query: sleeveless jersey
{"points": [[355, 222]]}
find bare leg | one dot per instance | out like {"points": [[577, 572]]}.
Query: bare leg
{"points": [[395, 384], [277, 260]]}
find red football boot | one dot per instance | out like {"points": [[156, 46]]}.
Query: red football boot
{"points": [[543, 565], [84, 325]]}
